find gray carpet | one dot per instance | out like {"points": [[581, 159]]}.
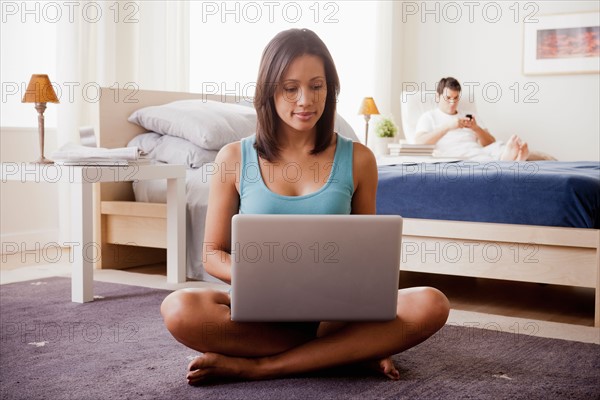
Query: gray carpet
{"points": [[117, 348]]}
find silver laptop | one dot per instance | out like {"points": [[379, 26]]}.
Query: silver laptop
{"points": [[315, 267]]}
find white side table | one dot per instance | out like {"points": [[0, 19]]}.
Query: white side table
{"points": [[81, 178]]}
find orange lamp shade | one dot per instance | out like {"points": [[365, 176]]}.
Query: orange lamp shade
{"points": [[39, 90], [368, 107]]}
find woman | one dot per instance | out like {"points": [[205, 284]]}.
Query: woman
{"points": [[295, 101]]}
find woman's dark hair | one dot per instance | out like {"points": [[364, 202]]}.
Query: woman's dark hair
{"points": [[281, 51], [449, 83]]}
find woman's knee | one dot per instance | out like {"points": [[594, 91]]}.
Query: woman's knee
{"points": [[428, 307], [437, 304], [186, 309]]}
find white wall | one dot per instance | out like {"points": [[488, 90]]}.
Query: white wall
{"points": [[28, 211], [565, 120]]}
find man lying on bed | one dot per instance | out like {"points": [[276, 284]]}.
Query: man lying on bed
{"points": [[456, 134]]}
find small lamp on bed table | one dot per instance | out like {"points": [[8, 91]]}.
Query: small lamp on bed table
{"points": [[40, 92], [368, 108]]}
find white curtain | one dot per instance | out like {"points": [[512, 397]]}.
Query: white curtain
{"points": [[147, 46], [388, 53], [143, 44]]}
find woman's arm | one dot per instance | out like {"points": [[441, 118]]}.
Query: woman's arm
{"points": [[364, 170], [223, 204]]}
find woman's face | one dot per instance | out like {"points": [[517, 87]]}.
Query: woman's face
{"points": [[301, 94]]}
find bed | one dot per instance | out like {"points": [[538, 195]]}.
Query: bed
{"points": [[133, 233], [561, 255]]}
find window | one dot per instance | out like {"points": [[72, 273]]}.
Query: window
{"points": [[28, 40], [227, 40]]}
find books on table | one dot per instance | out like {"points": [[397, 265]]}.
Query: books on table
{"points": [[399, 149], [77, 155], [93, 163]]}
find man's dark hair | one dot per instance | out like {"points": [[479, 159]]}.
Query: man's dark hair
{"points": [[449, 83]]}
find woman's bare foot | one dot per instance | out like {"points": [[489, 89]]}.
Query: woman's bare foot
{"points": [[386, 367], [212, 366]]}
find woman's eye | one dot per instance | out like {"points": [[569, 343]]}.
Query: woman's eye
{"points": [[290, 90], [317, 87]]}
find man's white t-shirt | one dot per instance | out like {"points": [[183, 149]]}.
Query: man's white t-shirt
{"points": [[460, 142]]}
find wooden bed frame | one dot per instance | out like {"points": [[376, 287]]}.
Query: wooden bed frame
{"points": [[537, 254]]}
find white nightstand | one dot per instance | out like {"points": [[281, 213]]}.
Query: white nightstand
{"points": [[81, 178]]}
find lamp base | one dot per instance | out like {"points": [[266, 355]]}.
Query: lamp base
{"points": [[42, 160]]}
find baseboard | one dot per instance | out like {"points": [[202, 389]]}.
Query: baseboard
{"points": [[33, 247]]}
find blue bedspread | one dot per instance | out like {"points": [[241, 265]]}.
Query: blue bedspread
{"points": [[549, 193]]}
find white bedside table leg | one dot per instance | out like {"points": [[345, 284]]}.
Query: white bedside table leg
{"points": [[83, 250], [176, 233]]}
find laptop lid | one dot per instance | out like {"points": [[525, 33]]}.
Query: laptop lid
{"points": [[315, 267]]}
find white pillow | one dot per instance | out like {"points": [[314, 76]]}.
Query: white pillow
{"points": [[208, 124], [343, 128]]}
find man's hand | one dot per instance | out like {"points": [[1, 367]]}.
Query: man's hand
{"points": [[463, 123], [460, 123], [435, 135], [483, 137], [470, 123]]}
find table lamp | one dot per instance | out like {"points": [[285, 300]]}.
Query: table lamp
{"points": [[40, 92], [367, 108]]}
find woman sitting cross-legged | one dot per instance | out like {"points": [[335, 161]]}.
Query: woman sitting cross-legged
{"points": [[295, 101]]}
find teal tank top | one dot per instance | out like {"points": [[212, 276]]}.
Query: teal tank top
{"points": [[334, 197]]}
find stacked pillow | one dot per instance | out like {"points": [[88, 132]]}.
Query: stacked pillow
{"points": [[205, 123], [191, 132]]}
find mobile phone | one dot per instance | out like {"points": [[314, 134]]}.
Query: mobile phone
{"points": [[470, 116]]}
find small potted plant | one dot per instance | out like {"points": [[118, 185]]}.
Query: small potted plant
{"points": [[385, 131]]}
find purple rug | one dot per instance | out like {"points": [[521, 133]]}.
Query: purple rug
{"points": [[117, 348]]}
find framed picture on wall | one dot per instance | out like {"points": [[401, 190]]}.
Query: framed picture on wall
{"points": [[562, 44]]}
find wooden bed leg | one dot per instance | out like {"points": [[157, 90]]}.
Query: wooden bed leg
{"points": [[597, 309], [176, 233], [597, 292]]}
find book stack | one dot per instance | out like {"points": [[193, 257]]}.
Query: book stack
{"points": [[407, 149], [72, 154]]}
